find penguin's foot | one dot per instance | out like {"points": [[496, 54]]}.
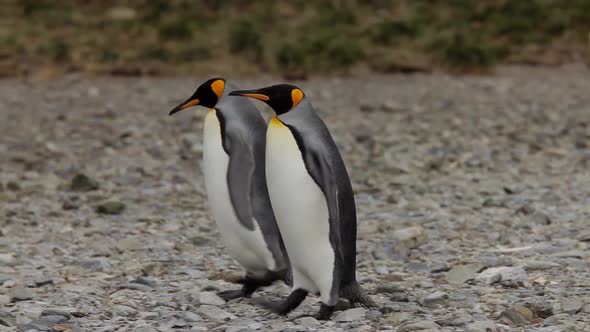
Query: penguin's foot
{"points": [[275, 306], [247, 289], [283, 308], [325, 312], [231, 294]]}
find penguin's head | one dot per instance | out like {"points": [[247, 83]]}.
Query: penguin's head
{"points": [[281, 97], [207, 95]]}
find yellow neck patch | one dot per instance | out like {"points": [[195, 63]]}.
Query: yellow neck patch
{"points": [[218, 87], [296, 96], [275, 121]]}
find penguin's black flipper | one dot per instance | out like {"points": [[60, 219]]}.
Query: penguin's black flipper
{"points": [[356, 294]]}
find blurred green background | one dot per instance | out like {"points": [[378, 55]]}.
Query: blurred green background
{"points": [[291, 38]]}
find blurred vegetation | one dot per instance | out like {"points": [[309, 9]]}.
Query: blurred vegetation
{"points": [[295, 38]]}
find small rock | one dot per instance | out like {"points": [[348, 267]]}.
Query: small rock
{"points": [[540, 218], [399, 297], [56, 312], [462, 273], [214, 313], [571, 306], [389, 288], [542, 309], [518, 315], [7, 319], [492, 275], [411, 237], [123, 310], [129, 244], [526, 209], [210, 298], [70, 204], [174, 322], [539, 265], [308, 322], [351, 315], [382, 270], [494, 202], [111, 207], [373, 315], [438, 267], [46, 323], [144, 281], [514, 189], [437, 299], [100, 264], [391, 249], [20, 293], [557, 319], [12, 186], [419, 326], [42, 280], [363, 328], [81, 182], [145, 328], [134, 286], [7, 258], [192, 317], [481, 326], [458, 318], [9, 283]]}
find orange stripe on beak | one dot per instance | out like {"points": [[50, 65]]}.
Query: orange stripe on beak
{"points": [[258, 96], [193, 102]]}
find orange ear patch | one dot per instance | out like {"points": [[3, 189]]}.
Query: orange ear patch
{"points": [[218, 87], [296, 96]]}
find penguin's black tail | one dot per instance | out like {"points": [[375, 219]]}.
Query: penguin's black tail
{"points": [[356, 294]]}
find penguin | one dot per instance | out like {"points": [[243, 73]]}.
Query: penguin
{"points": [[235, 181], [313, 201]]}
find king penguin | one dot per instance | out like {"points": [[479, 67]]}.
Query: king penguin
{"points": [[313, 201], [235, 181]]}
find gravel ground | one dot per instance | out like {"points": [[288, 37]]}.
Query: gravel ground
{"points": [[472, 195]]}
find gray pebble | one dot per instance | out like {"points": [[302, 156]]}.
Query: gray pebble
{"points": [[145, 328], [308, 322], [214, 313], [210, 298], [351, 315], [419, 325], [20, 293], [437, 299], [461, 273], [111, 207], [492, 275], [7, 319]]}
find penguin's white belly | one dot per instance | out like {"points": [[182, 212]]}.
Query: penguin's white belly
{"points": [[301, 211], [246, 246]]}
